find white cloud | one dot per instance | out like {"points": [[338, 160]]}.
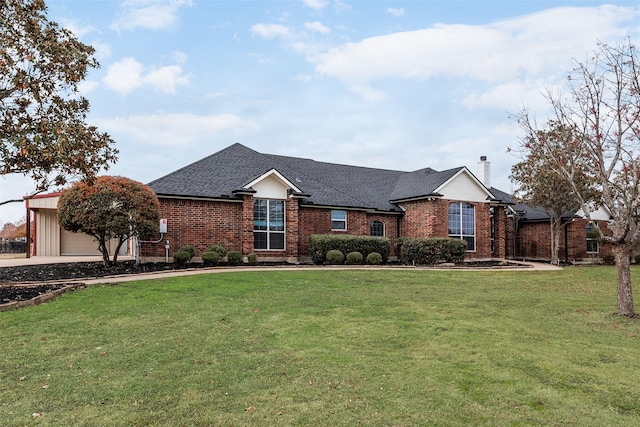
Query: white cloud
{"points": [[78, 30], [317, 27], [173, 129], [128, 74], [103, 50], [395, 12], [149, 14], [270, 31], [166, 79], [315, 4], [124, 76], [87, 86], [519, 48]]}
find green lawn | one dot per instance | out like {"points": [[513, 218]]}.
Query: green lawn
{"points": [[327, 348]]}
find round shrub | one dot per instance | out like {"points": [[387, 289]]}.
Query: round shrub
{"points": [[234, 258], [210, 259], [335, 256], [252, 259], [220, 250], [181, 258], [190, 250], [374, 258], [354, 258]]}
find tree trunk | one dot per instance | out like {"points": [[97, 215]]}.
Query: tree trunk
{"points": [[555, 241], [102, 246], [622, 255]]}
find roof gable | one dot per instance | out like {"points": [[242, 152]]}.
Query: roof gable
{"points": [[463, 185]]}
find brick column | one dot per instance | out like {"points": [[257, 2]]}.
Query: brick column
{"points": [[247, 225], [292, 228]]}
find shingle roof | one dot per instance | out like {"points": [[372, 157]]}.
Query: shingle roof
{"points": [[528, 212], [327, 184]]}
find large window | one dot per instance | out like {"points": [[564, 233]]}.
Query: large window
{"points": [[338, 220], [462, 223], [377, 228], [268, 224], [592, 239]]}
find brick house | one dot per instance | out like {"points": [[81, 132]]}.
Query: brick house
{"points": [[270, 205]]}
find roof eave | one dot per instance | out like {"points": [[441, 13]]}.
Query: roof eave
{"points": [[430, 196]]}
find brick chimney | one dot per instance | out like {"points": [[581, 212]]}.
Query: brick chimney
{"points": [[484, 171]]}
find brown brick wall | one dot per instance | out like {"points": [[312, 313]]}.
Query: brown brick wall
{"points": [[202, 223], [534, 242], [318, 221], [199, 223], [430, 218]]}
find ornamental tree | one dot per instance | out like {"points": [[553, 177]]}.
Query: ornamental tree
{"points": [[110, 208], [601, 104], [43, 133], [538, 185]]}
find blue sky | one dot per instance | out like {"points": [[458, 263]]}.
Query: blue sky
{"points": [[387, 84]]}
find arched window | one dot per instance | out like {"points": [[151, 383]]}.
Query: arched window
{"points": [[376, 228], [462, 223]]}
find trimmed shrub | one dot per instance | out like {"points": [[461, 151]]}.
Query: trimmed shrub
{"points": [[210, 259], [431, 251], [220, 250], [374, 258], [234, 258], [637, 259], [354, 258], [609, 260], [190, 250], [252, 259], [181, 258], [335, 256], [321, 244]]}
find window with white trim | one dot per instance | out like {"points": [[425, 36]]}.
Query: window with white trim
{"points": [[338, 220], [462, 223], [376, 229], [268, 224], [592, 239]]}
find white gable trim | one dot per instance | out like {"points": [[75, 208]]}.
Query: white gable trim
{"points": [[485, 194], [278, 175], [599, 214]]}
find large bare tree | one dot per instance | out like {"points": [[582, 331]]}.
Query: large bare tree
{"points": [[43, 129], [601, 104]]}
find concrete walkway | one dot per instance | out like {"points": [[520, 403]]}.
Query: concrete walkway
{"points": [[11, 262]]}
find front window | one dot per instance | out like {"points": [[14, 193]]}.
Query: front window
{"points": [[592, 239], [377, 228], [268, 224], [338, 220], [462, 223]]}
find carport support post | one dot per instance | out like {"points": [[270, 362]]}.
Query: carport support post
{"points": [[28, 229]]}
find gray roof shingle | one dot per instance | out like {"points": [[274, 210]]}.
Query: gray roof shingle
{"points": [[327, 184]]}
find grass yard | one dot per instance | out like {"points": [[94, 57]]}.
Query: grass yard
{"points": [[327, 348]]}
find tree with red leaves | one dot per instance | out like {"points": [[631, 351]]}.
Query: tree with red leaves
{"points": [[602, 107], [538, 185], [110, 208], [43, 133]]}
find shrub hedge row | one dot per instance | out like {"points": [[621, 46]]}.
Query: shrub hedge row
{"points": [[320, 244], [431, 251]]}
